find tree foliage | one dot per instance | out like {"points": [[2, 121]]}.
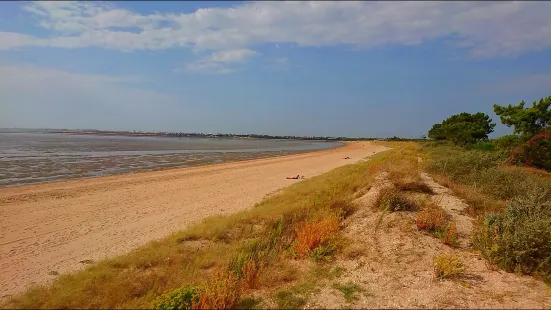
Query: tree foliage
{"points": [[463, 129], [526, 122]]}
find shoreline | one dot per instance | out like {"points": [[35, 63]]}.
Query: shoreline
{"points": [[50, 227], [298, 153]]}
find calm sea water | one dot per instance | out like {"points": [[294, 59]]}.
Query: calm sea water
{"points": [[27, 158]]}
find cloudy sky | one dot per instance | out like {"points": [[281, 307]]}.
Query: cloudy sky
{"points": [[301, 68]]}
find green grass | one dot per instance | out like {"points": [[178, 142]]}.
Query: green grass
{"points": [[249, 303], [289, 300], [348, 290], [447, 266], [512, 206], [245, 245]]}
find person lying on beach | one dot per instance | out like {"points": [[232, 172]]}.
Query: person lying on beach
{"points": [[346, 157], [295, 178]]}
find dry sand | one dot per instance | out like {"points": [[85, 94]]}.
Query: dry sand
{"points": [[392, 265], [49, 228]]}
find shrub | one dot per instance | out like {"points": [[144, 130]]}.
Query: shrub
{"points": [[536, 152], [447, 265], [487, 146], [519, 238], [310, 235], [181, 298], [449, 234], [431, 219], [393, 200], [507, 143]]}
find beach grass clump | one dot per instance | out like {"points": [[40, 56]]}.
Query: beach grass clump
{"points": [[448, 234], [431, 218], [393, 200], [311, 236], [447, 266]]}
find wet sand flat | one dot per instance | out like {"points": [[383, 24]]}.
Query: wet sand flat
{"points": [[53, 226]]}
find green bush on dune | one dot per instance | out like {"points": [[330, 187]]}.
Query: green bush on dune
{"points": [[178, 299], [519, 238]]}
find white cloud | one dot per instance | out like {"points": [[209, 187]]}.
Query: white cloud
{"points": [[218, 62], [239, 55], [485, 29]]}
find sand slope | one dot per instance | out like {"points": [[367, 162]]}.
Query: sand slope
{"points": [[52, 227]]}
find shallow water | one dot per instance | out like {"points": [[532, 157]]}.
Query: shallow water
{"points": [[28, 158]]}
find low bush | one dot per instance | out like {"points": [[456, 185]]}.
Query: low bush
{"points": [[431, 219], [392, 200], [487, 146], [519, 238], [448, 235], [447, 266], [182, 298], [536, 152], [507, 143]]}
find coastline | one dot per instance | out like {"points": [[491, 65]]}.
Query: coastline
{"points": [[111, 158], [51, 227]]}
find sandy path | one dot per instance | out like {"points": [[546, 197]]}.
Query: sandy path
{"points": [[392, 263], [51, 227]]}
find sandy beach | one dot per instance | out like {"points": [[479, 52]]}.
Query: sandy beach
{"points": [[50, 228]]}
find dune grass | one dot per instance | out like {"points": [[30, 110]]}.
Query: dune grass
{"points": [[216, 262], [512, 206]]}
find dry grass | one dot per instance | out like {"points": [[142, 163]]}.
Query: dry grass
{"points": [[431, 218], [392, 200], [248, 246], [447, 266], [311, 235], [223, 292], [478, 202], [449, 235]]}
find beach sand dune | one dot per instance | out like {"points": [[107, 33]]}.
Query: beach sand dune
{"points": [[51, 228]]}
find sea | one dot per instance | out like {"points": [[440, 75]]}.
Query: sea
{"points": [[37, 157]]}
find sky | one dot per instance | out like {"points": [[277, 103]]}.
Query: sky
{"points": [[356, 69]]}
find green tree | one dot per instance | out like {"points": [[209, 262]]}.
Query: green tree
{"points": [[526, 122], [463, 128]]}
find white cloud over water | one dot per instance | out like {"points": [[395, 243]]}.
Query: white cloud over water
{"points": [[483, 29]]}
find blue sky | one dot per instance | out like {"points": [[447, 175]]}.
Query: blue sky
{"points": [[298, 68]]}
